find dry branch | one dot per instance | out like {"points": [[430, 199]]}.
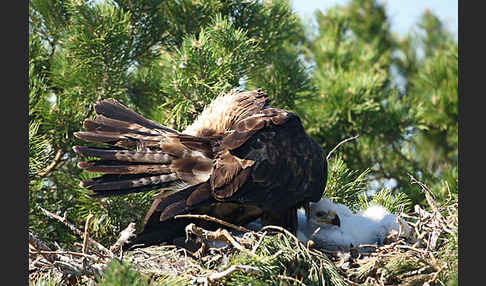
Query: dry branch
{"points": [[76, 230], [86, 228], [53, 164], [242, 268], [213, 219], [39, 245], [339, 144], [124, 237], [218, 235]]}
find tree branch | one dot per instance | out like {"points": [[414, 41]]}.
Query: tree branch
{"points": [[53, 164], [339, 144]]}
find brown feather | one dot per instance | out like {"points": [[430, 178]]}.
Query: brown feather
{"points": [[142, 156], [173, 209], [97, 185], [200, 195], [107, 168], [119, 138], [102, 123], [111, 108], [231, 187], [226, 168]]}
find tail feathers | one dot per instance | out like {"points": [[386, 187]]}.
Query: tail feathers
{"points": [[114, 185], [116, 182], [112, 193], [119, 139], [102, 123], [111, 108], [142, 156], [146, 156], [117, 125], [115, 167]]}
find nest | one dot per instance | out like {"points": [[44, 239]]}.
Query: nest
{"points": [[235, 256]]}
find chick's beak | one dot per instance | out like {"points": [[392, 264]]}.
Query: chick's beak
{"points": [[332, 219], [336, 220]]}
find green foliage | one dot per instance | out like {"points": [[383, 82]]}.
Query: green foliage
{"points": [[279, 257], [238, 46], [39, 151], [410, 129], [121, 274], [344, 184], [207, 64], [397, 204]]}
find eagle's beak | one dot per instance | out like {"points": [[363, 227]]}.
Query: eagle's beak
{"points": [[333, 219]]}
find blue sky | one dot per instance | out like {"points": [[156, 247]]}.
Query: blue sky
{"points": [[403, 14]]}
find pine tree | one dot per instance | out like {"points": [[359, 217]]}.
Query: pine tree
{"points": [[403, 130]]}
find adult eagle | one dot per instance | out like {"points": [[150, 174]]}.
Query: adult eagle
{"points": [[240, 160]]}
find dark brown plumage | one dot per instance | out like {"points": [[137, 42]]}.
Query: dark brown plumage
{"points": [[239, 161]]}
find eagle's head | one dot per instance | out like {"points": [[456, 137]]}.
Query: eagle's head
{"points": [[323, 214]]}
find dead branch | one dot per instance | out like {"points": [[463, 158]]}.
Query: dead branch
{"points": [[39, 245], [61, 253], [125, 236], [339, 144], [76, 230], [53, 164], [213, 219], [242, 268], [86, 228], [218, 235]]}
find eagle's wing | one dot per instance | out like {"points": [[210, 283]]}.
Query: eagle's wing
{"points": [[248, 115], [230, 172]]}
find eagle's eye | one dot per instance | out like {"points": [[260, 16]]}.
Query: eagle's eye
{"points": [[320, 213]]}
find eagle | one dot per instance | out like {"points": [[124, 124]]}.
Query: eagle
{"points": [[335, 227], [240, 160]]}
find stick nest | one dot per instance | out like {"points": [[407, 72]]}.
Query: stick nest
{"points": [[269, 256]]}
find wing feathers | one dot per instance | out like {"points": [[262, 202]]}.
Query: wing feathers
{"points": [[173, 209]]}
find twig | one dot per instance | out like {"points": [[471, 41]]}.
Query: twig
{"points": [[125, 236], [243, 268], [53, 164], [86, 228], [281, 229], [412, 248], [76, 230], [220, 235], [429, 196], [213, 219], [39, 245], [61, 252], [292, 279], [258, 243], [339, 144]]}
